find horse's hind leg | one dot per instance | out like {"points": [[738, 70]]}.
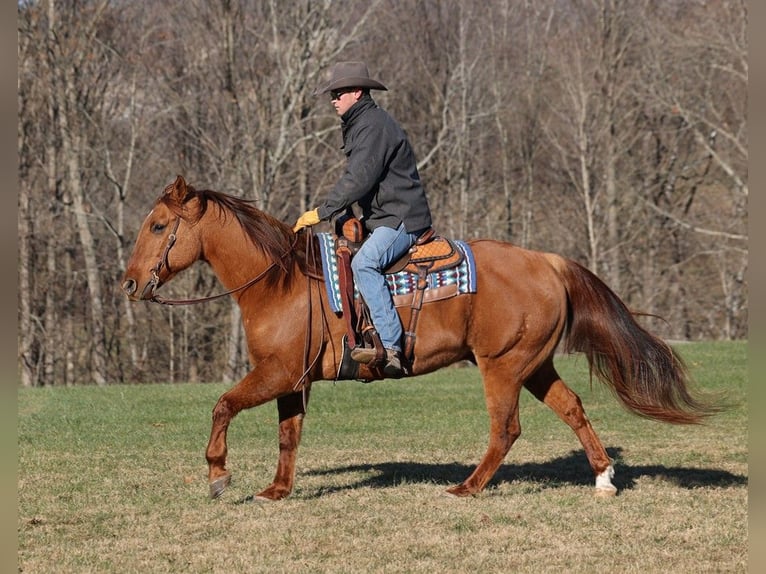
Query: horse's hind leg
{"points": [[549, 388], [502, 396], [292, 409]]}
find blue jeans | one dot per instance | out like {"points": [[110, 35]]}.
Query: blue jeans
{"points": [[382, 247]]}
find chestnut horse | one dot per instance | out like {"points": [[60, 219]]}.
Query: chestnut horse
{"points": [[526, 302]]}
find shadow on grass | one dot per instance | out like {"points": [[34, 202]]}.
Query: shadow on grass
{"points": [[572, 469]]}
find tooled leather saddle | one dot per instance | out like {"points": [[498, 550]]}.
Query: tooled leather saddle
{"points": [[429, 254]]}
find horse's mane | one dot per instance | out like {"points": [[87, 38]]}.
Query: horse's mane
{"points": [[273, 237]]}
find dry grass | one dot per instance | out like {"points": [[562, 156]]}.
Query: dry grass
{"points": [[113, 480]]}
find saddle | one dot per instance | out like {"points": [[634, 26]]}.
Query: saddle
{"points": [[429, 254]]}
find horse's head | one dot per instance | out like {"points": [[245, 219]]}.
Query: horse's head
{"points": [[166, 244]]}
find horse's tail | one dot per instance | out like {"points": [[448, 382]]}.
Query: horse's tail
{"points": [[644, 372]]}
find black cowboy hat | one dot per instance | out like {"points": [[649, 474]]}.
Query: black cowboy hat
{"points": [[349, 75]]}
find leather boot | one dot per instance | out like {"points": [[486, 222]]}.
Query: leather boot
{"points": [[363, 354], [393, 366]]}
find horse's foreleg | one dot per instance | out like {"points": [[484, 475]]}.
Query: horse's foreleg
{"points": [[502, 396], [218, 477], [549, 388], [251, 391], [291, 412]]}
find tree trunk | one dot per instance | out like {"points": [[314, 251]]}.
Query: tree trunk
{"points": [[65, 93], [97, 318], [234, 344], [26, 326]]}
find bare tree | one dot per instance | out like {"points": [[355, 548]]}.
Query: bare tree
{"points": [[594, 120], [29, 347], [519, 32], [697, 86]]}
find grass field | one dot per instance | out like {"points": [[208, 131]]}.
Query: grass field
{"points": [[114, 480]]}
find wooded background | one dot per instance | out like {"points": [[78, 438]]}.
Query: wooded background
{"points": [[611, 132]]}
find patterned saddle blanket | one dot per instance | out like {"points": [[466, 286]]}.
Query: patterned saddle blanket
{"points": [[403, 284]]}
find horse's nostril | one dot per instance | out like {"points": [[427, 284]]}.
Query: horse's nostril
{"points": [[129, 286]]}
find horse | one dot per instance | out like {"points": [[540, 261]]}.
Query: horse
{"points": [[525, 304]]}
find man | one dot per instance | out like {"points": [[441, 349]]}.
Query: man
{"points": [[381, 176]]}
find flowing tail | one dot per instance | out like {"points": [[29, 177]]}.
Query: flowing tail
{"points": [[642, 370]]}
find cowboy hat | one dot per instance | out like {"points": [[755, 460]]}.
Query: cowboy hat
{"points": [[349, 75]]}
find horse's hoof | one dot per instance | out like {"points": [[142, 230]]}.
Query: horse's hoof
{"points": [[606, 492], [604, 486], [219, 485]]}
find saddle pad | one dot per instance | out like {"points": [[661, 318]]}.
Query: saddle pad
{"points": [[403, 282]]}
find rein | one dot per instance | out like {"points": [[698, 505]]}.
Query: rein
{"points": [[250, 283], [303, 380]]}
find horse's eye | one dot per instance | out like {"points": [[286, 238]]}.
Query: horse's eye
{"points": [[158, 227]]}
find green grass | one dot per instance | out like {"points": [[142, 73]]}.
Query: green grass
{"points": [[114, 480]]}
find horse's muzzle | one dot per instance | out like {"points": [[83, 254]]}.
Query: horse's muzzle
{"points": [[130, 287]]}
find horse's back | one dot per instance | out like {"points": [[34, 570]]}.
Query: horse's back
{"points": [[520, 273], [519, 300]]}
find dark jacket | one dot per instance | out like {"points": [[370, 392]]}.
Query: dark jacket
{"points": [[381, 173]]}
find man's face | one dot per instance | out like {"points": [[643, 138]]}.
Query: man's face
{"points": [[344, 98]]}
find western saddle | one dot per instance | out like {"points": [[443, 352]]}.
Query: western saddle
{"points": [[429, 254]]}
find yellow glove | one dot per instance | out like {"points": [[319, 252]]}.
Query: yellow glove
{"points": [[308, 218]]}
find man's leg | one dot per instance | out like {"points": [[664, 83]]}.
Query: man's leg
{"points": [[383, 247]]}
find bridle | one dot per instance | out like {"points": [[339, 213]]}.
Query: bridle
{"points": [[154, 283]]}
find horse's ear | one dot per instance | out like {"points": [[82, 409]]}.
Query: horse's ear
{"points": [[177, 190]]}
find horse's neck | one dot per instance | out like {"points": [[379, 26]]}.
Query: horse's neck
{"points": [[232, 256]]}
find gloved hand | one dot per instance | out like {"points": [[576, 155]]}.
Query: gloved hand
{"points": [[308, 218]]}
